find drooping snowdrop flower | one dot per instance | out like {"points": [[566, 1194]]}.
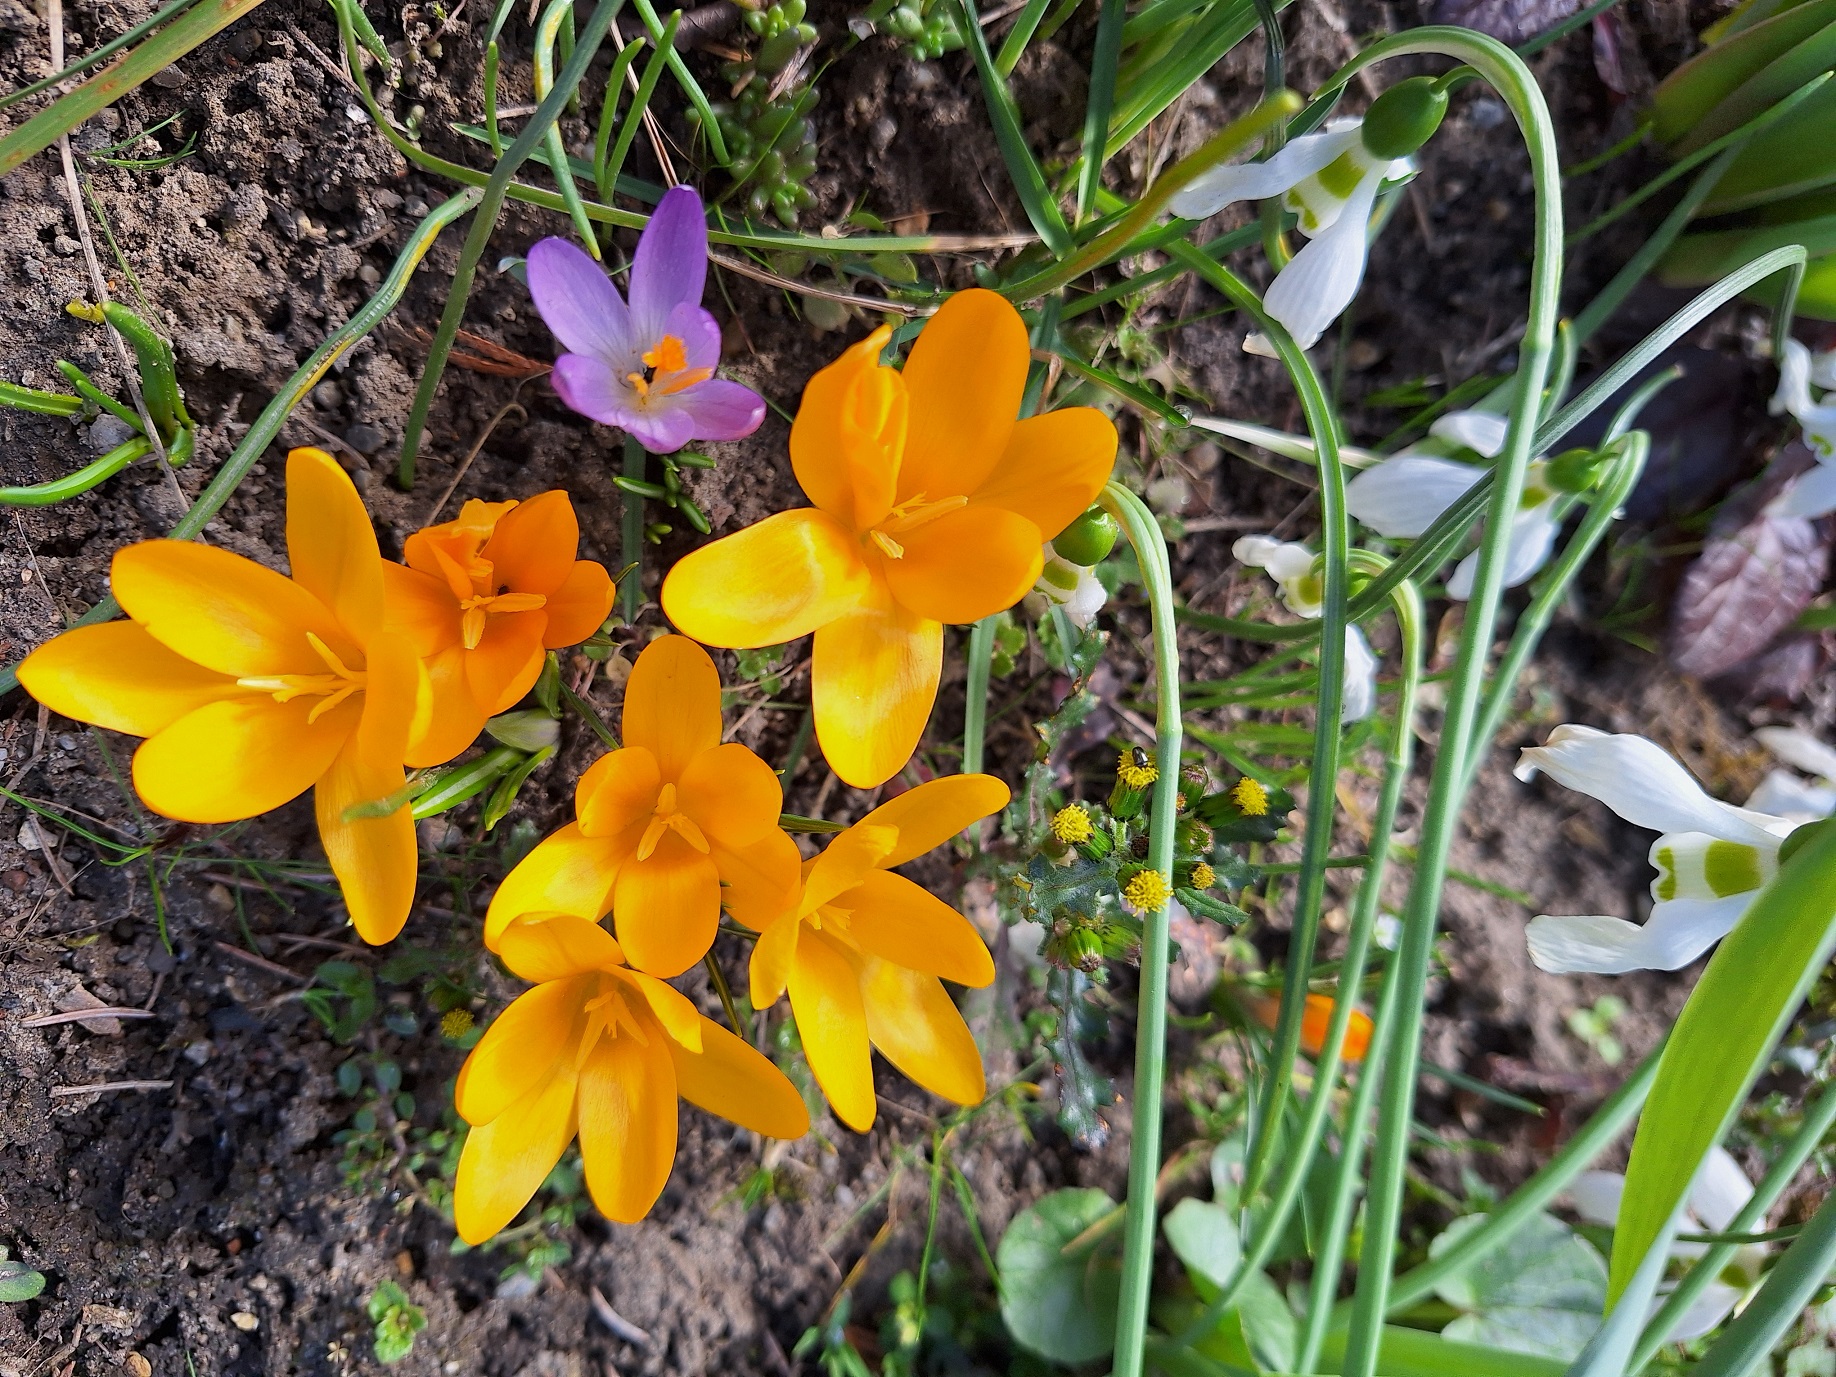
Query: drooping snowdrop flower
{"points": [[1404, 495], [1712, 859], [1330, 180], [1719, 1193], [1812, 493], [1074, 587], [1786, 794], [1302, 590]]}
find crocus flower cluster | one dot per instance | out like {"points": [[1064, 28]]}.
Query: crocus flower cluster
{"points": [[1812, 493]]}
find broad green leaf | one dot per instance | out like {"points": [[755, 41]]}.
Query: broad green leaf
{"points": [[1419, 1353], [1790, 158], [1685, 97], [1543, 1295], [1204, 1237], [19, 1282], [1724, 1038], [1058, 1305], [1765, 88]]}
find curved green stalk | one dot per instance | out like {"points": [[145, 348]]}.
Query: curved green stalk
{"points": [[80, 482], [1151, 1023], [1513, 81], [543, 58], [631, 532], [19, 398], [975, 690], [634, 117], [608, 116]]}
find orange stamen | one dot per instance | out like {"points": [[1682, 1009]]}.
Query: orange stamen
{"points": [[666, 370]]}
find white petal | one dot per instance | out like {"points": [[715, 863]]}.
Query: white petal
{"points": [[1532, 537], [1793, 392], [1675, 935], [1258, 344], [1401, 497], [1483, 431], [1823, 369], [1321, 280], [1086, 600], [1785, 795], [1280, 442], [1255, 550], [1643, 783], [1709, 1309], [1596, 1196], [1799, 748], [1359, 696], [1810, 494], [1720, 1191], [1212, 190]]}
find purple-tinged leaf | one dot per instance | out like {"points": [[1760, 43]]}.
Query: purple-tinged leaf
{"points": [[1509, 21], [1745, 588]]}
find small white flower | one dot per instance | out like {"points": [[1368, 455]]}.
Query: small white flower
{"points": [[1784, 793], [1330, 181], [1814, 493], [1719, 1193], [1302, 590], [1712, 857], [1072, 587]]}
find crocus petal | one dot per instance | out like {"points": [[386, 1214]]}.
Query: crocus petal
{"points": [[967, 564], [1401, 497], [1296, 160], [617, 790], [929, 815], [849, 433], [506, 1160], [1720, 1191], [670, 1007], [1643, 783], [420, 607], [663, 425], [769, 970], [519, 1051], [238, 757], [825, 996], [568, 872], [597, 390], [964, 377], [1811, 494], [731, 794], [532, 547], [117, 676], [1320, 281], [1675, 934], [1596, 1196], [578, 302], [225, 612], [1785, 795], [720, 409], [671, 263], [627, 1118], [847, 860], [901, 922], [550, 947], [1527, 549], [1053, 467], [331, 545], [757, 880], [728, 1078], [1480, 431], [507, 660], [666, 907], [770, 583], [874, 679], [672, 704], [1358, 697], [915, 1026], [579, 606], [1797, 748]]}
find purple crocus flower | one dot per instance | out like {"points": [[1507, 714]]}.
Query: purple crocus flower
{"points": [[647, 368]]}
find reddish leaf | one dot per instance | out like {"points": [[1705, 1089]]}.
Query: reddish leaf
{"points": [[1745, 588]]}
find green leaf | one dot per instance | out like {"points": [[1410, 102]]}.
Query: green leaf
{"points": [[1544, 1295], [19, 1282], [1062, 1307], [1689, 95], [1724, 1038], [1204, 1237], [1022, 167]]}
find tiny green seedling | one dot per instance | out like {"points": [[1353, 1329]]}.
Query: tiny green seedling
{"points": [[18, 1282], [397, 1321], [1595, 1028]]}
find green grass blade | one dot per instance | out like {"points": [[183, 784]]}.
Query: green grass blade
{"points": [[1019, 36], [102, 54], [647, 87], [603, 180], [685, 79], [1102, 99], [1797, 1276], [1022, 167], [554, 18]]}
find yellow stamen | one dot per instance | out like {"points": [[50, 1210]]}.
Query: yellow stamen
{"points": [[334, 687], [1071, 825], [475, 611], [666, 370], [669, 817], [909, 516]]}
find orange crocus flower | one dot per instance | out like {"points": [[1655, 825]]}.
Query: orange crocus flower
{"points": [[667, 829], [1316, 1017], [481, 598], [864, 952], [252, 687], [932, 503], [601, 1051]]}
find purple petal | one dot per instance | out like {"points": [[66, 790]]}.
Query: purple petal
{"points": [[594, 389], [699, 333], [723, 410], [578, 301], [662, 429], [671, 264]]}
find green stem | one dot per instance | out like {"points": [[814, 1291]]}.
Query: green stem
{"points": [[1512, 80], [1151, 1022], [44, 403], [717, 145], [612, 161], [1100, 100], [1799, 1274], [718, 979], [975, 689], [631, 553], [543, 58], [75, 484]]}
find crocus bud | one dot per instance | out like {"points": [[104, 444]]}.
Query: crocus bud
{"points": [[1404, 118]]}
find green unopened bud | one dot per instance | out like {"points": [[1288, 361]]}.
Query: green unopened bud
{"points": [[1576, 470], [525, 731], [1404, 118], [1097, 845], [1088, 540]]}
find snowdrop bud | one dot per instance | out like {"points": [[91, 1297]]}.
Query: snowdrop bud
{"points": [[1073, 587], [526, 731], [1576, 470], [1404, 117], [1088, 540]]}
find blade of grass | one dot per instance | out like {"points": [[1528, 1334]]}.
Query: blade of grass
{"points": [[1798, 1275], [554, 18], [1019, 36], [690, 88], [106, 51], [1022, 167], [603, 179], [1103, 63], [647, 87]]}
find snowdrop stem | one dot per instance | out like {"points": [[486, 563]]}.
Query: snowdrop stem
{"points": [[631, 556], [1506, 73], [975, 691]]}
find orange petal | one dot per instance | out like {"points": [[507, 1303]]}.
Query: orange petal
{"points": [[617, 791], [579, 606], [506, 661], [845, 863], [519, 1050], [825, 993], [929, 815], [117, 676], [453, 719], [731, 794], [505, 1161], [728, 1078], [915, 1026], [672, 704], [421, 608], [239, 757], [533, 547], [670, 1007], [225, 612], [965, 376], [443, 551], [769, 970], [666, 907], [1316, 1018], [331, 545], [568, 872], [759, 880], [967, 564], [849, 435], [1053, 468], [627, 1124], [553, 946], [770, 583], [901, 922], [873, 684]]}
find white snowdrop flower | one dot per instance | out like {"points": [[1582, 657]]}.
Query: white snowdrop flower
{"points": [[1786, 794], [1712, 858], [1303, 592], [1072, 587], [1387, 931], [1811, 494], [1719, 1193]]}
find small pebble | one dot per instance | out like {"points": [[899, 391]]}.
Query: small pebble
{"points": [[168, 78], [415, 206], [368, 275], [64, 246], [365, 438], [328, 395], [66, 743], [244, 1321]]}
